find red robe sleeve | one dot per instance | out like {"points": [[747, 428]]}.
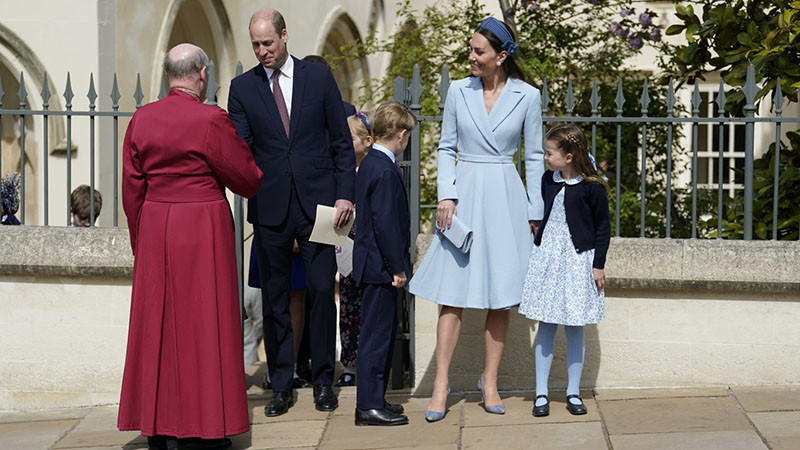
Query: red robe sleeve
{"points": [[230, 157], [134, 184]]}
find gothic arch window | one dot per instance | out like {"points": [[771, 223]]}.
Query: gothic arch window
{"points": [[351, 72], [203, 23], [18, 60]]}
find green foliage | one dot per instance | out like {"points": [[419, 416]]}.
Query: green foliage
{"points": [[733, 34], [559, 40], [730, 36], [763, 197]]}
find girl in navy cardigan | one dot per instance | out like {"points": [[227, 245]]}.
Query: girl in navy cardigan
{"points": [[565, 279]]}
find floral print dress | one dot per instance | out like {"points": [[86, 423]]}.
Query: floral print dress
{"points": [[559, 287]]}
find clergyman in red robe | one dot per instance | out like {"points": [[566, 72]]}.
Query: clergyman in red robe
{"points": [[183, 374]]}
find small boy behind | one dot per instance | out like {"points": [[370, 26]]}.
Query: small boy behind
{"points": [[381, 262], [81, 204]]}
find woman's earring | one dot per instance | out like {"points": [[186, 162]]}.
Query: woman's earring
{"points": [[499, 63]]}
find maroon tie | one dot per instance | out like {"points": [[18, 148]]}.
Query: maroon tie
{"points": [[279, 100]]}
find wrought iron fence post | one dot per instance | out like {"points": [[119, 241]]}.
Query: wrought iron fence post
{"points": [[670, 110], [750, 91], [23, 95], [68, 95], [777, 100], [695, 168], [45, 146], [620, 100], [721, 144], [92, 96], [645, 102], [115, 96]]}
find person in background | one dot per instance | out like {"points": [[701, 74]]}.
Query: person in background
{"points": [[9, 199], [350, 292], [81, 204]]}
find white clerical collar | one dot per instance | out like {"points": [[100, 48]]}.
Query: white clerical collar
{"points": [[384, 150], [287, 69]]}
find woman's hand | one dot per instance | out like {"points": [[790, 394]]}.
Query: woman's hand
{"points": [[444, 214], [534, 224], [599, 278]]}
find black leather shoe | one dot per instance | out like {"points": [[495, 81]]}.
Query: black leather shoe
{"points": [[541, 411], [396, 409], [346, 379], [162, 442], [576, 410], [380, 417], [207, 444], [279, 404], [298, 383], [324, 398]]}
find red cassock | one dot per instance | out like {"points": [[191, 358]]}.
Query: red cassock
{"points": [[184, 369]]}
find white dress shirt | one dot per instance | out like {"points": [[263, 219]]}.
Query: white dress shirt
{"points": [[286, 81]]}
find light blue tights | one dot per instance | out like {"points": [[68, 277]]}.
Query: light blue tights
{"points": [[544, 358]]}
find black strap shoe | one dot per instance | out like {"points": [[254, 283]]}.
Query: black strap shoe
{"points": [[379, 417], [279, 404], [543, 410], [324, 398], [396, 409], [346, 379], [576, 410]]}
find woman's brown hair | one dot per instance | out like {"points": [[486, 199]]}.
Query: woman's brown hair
{"points": [[510, 66], [570, 140]]}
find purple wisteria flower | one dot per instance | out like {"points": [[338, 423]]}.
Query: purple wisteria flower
{"points": [[635, 41], [533, 5], [626, 12], [656, 35], [645, 19], [618, 29]]}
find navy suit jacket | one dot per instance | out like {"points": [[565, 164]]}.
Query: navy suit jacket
{"points": [[318, 154], [383, 224]]}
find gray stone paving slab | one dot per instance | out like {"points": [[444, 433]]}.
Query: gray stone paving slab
{"points": [[33, 435], [341, 433], [672, 415], [768, 398], [781, 429], [712, 440], [583, 435], [627, 394]]}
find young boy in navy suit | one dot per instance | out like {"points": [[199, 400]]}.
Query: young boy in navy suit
{"points": [[381, 262]]}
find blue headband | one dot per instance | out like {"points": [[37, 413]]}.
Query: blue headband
{"points": [[498, 29], [363, 118]]}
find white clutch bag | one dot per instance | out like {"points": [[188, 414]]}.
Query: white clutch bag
{"points": [[459, 234]]}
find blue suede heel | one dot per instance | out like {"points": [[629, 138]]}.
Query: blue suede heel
{"points": [[435, 416], [498, 409]]}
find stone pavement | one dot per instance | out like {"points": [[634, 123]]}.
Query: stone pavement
{"points": [[729, 418]]}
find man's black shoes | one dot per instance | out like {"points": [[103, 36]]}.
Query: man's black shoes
{"points": [[396, 409], [279, 404], [324, 398], [379, 417]]}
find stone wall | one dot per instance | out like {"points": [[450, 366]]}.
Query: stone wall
{"points": [[64, 305], [678, 313]]}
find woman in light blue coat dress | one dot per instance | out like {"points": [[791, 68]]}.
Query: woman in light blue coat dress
{"points": [[485, 116]]}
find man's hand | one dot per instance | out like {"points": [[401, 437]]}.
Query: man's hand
{"points": [[444, 214], [399, 280], [534, 224], [599, 278], [344, 211]]}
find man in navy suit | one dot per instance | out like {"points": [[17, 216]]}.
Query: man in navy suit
{"points": [[290, 113], [381, 262]]}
